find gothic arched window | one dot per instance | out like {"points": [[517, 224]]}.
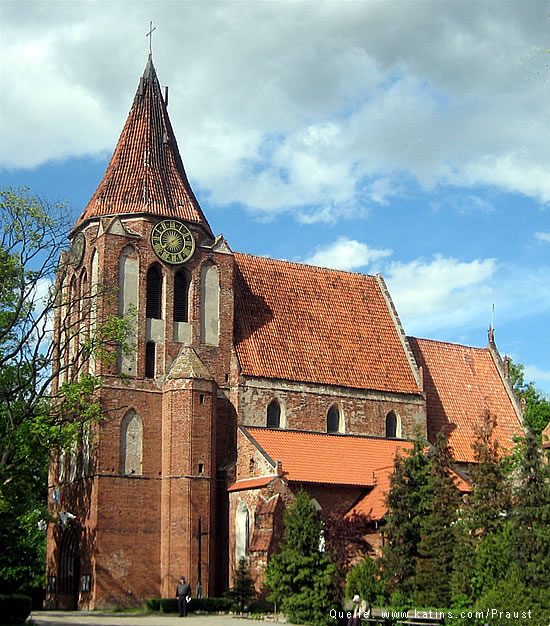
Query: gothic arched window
{"points": [[391, 425], [273, 414], [128, 285], [333, 420], [210, 305], [242, 531], [154, 293], [181, 297], [131, 445]]}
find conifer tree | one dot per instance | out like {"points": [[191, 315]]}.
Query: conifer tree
{"points": [[243, 591], [438, 531], [407, 501], [531, 517], [301, 577], [491, 496]]}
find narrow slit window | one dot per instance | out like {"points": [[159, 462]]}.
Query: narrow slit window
{"points": [[333, 420], [150, 359], [154, 293], [181, 297]]}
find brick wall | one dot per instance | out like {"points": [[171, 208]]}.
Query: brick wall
{"points": [[305, 407]]}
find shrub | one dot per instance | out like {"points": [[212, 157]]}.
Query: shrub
{"points": [[168, 605], [243, 592], [153, 604], [15, 608]]}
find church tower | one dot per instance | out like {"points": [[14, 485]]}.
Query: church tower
{"points": [[140, 507]]}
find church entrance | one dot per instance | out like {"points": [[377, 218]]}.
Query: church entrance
{"points": [[69, 570]]}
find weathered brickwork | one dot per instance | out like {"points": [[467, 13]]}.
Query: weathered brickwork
{"points": [[305, 407]]}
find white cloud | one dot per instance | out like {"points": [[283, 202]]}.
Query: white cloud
{"points": [[540, 376], [346, 254], [543, 237], [442, 292], [285, 105]]}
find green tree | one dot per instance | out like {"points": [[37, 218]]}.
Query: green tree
{"points": [[537, 404], [531, 517], [408, 501], [301, 577], [365, 580], [438, 531], [243, 591], [36, 418], [491, 498]]}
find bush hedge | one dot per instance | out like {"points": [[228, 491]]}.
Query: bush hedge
{"points": [[153, 604], [14, 608]]}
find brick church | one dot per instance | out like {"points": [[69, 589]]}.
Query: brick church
{"points": [[251, 378]]}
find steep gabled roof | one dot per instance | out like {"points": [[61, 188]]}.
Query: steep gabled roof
{"points": [[322, 458], [146, 173], [310, 324], [461, 383]]}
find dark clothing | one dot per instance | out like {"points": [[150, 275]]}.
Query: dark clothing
{"points": [[183, 592]]}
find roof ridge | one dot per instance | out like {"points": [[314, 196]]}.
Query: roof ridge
{"points": [[303, 264], [448, 343]]}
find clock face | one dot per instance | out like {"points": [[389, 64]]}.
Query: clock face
{"points": [[76, 253], [172, 241]]}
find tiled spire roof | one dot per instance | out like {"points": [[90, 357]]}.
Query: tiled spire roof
{"points": [[146, 173]]}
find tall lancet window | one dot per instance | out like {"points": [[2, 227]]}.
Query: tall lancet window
{"points": [[393, 425], [242, 531], [210, 305], [154, 293], [181, 297], [131, 444], [274, 414], [333, 420]]}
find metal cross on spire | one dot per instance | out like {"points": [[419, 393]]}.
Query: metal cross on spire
{"points": [[150, 35]]}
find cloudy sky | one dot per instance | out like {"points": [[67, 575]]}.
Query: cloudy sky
{"points": [[408, 137]]}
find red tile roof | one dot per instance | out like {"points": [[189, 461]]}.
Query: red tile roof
{"points": [[311, 324], [146, 173], [461, 383], [321, 458], [373, 503], [461, 484], [251, 483]]}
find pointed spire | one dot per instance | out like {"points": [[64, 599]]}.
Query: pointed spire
{"points": [[146, 173]]}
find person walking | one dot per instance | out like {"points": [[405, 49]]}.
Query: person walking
{"points": [[183, 594]]}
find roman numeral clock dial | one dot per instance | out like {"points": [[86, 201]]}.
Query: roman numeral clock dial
{"points": [[172, 241]]}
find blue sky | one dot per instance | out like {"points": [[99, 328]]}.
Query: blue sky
{"points": [[408, 137]]}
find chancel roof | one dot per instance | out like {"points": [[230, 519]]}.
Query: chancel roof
{"points": [[146, 173], [461, 384], [310, 324], [323, 458]]}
